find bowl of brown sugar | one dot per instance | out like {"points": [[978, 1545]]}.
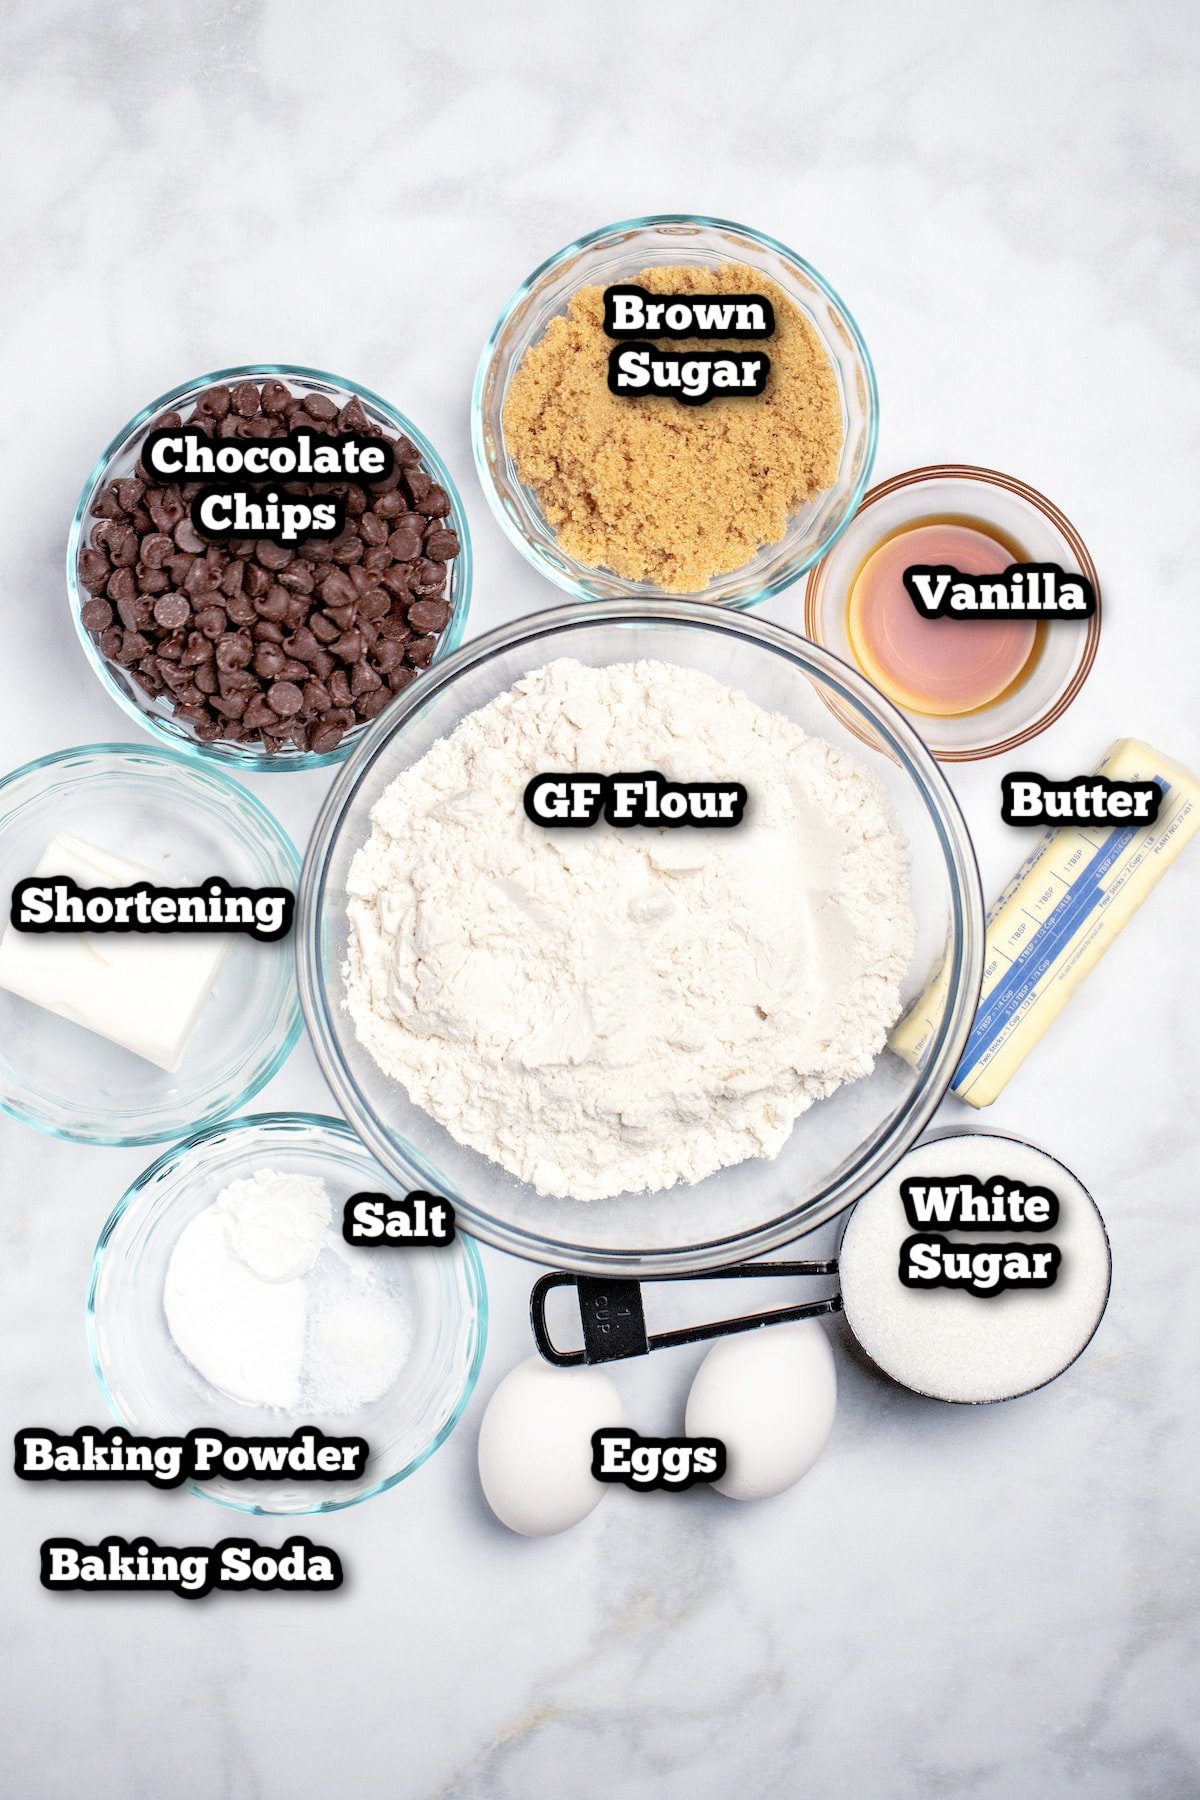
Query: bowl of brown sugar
{"points": [[674, 405]]}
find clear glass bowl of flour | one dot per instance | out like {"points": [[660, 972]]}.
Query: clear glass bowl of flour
{"points": [[152, 1389], [837, 1149]]}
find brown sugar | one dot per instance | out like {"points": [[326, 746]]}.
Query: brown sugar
{"points": [[660, 492]]}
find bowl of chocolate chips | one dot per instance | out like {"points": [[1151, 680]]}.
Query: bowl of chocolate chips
{"points": [[262, 560]]}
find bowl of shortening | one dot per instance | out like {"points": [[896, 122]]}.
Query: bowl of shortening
{"points": [[642, 1048], [135, 1037], [241, 634], [223, 1297], [632, 495]]}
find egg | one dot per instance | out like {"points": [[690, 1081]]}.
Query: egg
{"points": [[535, 1446], [770, 1396]]}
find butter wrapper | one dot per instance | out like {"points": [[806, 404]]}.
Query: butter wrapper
{"points": [[1072, 896]]}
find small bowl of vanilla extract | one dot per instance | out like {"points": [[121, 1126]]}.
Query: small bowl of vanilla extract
{"points": [[973, 686]]}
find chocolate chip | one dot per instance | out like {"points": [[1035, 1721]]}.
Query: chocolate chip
{"points": [[374, 605], [319, 406], [93, 570], [258, 714], [97, 615], [214, 403], [348, 548], [172, 611], [122, 585], [352, 417], [268, 661], [234, 651], [405, 541], [198, 650], [157, 550], [272, 556], [325, 737], [420, 651], [302, 644], [166, 508], [417, 484], [134, 611], [429, 577], [240, 611], [348, 647], [273, 604], [134, 644], [428, 615], [199, 581], [123, 547], [441, 545], [285, 698], [369, 706], [298, 578], [245, 399]]}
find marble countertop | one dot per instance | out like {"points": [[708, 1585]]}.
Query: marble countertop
{"points": [[991, 1602]]}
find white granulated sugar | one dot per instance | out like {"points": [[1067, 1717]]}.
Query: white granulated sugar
{"points": [[610, 1010], [955, 1345]]}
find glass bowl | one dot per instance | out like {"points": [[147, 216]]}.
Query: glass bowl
{"points": [[1061, 663], [150, 1387], [619, 252], [840, 1146], [184, 821], [119, 459]]}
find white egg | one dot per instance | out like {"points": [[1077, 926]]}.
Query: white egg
{"points": [[535, 1446], [770, 1396]]}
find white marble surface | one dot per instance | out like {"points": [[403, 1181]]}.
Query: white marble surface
{"points": [[999, 1602]]}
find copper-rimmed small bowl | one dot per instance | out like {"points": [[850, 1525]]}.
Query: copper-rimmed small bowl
{"points": [[1022, 516]]}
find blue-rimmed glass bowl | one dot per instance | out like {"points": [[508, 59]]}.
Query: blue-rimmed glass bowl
{"points": [[150, 1387], [618, 253], [184, 821], [839, 1147], [119, 459]]}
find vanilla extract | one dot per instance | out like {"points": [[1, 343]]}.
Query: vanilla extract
{"points": [[942, 592]]}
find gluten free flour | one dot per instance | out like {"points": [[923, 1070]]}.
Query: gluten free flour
{"points": [[610, 1010]]}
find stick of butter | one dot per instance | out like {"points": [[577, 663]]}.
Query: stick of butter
{"points": [[1075, 892], [143, 991]]}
